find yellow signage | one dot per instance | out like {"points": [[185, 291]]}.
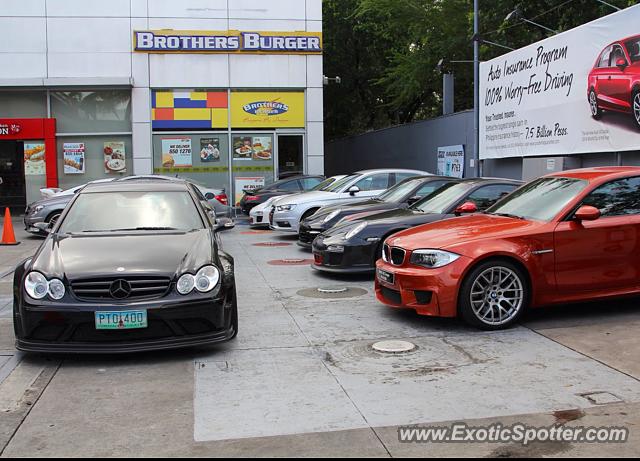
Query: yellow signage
{"points": [[230, 41], [267, 109]]}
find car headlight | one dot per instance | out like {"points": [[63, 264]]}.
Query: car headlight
{"points": [[37, 209], [207, 278], [56, 289], [331, 216], [355, 231], [186, 284], [287, 207], [36, 285], [432, 258]]}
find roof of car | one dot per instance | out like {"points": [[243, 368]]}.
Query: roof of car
{"points": [[391, 170], [137, 185], [601, 172], [494, 180]]}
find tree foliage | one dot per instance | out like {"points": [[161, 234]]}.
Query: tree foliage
{"points": [[387, 51]]}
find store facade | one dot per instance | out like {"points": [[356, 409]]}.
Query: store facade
{"points": [[226, 93]]}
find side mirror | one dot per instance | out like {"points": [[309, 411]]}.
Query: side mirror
{"points": [[44, 227], [466, 208], [353, 190], [621, 63], [414, 199], [587, 213]]}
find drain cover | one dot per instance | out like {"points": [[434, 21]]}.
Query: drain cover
{"points": [[272, 244], [332, 292], [290, 262], [393, 347]]}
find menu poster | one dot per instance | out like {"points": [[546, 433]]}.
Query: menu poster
{"points": [[209, 150], [262, 148], [177, 153], [242, 147], [114, 157], [34, 161], [73, 154]]}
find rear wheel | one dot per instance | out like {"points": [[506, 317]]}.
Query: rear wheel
{"points": [[636, 107], [494, 295], [596, 112]]}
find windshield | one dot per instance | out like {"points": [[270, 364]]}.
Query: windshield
{"points": [[541, 199], [399, 191], [633, 48], [114, 211], [442, 199], [324, 185], [335, 187]]}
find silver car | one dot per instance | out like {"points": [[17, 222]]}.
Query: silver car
{"points": [[287, 212]]}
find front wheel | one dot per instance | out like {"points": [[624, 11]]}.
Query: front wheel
{"points": [[636, 107], [596, 112], [494, 295]]}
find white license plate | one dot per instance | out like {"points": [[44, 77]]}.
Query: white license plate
{"points": [[121, 320]]}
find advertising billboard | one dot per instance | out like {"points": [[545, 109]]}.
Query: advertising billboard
{"points": [[576, 92]]}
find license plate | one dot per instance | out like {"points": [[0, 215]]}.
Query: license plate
{"points": [[385, 276], [121, 320]]}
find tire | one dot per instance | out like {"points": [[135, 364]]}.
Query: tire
{"points": [[596, 112], [490, 306], [635, 107], [53, 218]]}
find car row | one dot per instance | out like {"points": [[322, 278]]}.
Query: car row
{"points": [[486, 249]]}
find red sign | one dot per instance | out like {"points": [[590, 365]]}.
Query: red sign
{"points": [[10, 129]]}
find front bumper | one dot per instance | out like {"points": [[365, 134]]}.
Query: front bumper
{"points": [[353, 259], [307, 234], [30, 221], [284, 221], [258, 219], [172, 323], [430, 292]]}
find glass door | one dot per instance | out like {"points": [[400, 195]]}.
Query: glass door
{"points": [[253, 161], [12, 183], [290, 154]]}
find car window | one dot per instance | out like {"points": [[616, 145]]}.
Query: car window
{"points": [[617, 53], [605, 57], [290, 186], [633, 48], [310, 183], [378, 181], [486, 196], [339, 185], [617, 198], [402, 176], [430, 188]]}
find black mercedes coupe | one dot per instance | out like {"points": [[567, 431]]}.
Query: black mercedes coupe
{"points": [[354, 246], [130, 266]]}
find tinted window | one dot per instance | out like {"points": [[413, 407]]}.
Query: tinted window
{"points": [[541, 199], [633, 48], [112, 211], [486, 196], [310, 183], [430, 188], [378, 181], [616, 198], [291, 186]]}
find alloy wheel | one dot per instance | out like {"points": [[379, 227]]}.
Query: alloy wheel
{"points": [[593, 102], [636, 107], [497, 295]]}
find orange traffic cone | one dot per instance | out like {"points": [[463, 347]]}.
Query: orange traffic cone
{"points": [[8, 236]]}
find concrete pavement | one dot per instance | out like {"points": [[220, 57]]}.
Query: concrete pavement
{"points": [[301, 379]]}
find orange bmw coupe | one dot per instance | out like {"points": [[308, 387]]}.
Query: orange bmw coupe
{"points": [[567, 237]]}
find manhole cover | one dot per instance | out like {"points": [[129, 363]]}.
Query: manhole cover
{"points": [[255, 232], [393, 347], [332, 292], [272, 244], [290, 262]]}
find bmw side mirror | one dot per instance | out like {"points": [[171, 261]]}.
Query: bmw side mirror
{"points": [[413, 199], [621, 63], [587, 213], [353, 190], [466, 208]]}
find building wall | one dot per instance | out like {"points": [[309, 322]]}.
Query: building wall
{"points": [[406, 146], [65, 43]]}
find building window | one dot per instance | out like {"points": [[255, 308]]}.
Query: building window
{"points": [[104, 111], [23, 104]]}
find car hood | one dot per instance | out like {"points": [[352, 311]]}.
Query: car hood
{"points": [[379, 223], [53, 201], [84, 256], [449, 233], [304, 197]]}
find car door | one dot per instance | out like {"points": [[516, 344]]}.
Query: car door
{"points": [[601, 254], [601, 75], [619, 80]]}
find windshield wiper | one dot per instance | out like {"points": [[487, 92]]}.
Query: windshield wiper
{"points": [[508, 215]]}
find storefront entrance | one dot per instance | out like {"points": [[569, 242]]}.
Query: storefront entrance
{"points": [[290, 154], [12, 180]]}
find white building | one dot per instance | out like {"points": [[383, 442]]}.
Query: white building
{"points": [[200, 100]]}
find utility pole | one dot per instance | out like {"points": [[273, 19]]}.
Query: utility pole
{"points": [[476, 87]]}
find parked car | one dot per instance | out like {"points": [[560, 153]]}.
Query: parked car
{"points": [[290, 185], [614, 81], [567, 237], [401, 195], [119, 274], [258, 216], [354, 246], [287, 212]]}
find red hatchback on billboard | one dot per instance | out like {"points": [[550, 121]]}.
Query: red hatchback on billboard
{"points": [[614, 81]]}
